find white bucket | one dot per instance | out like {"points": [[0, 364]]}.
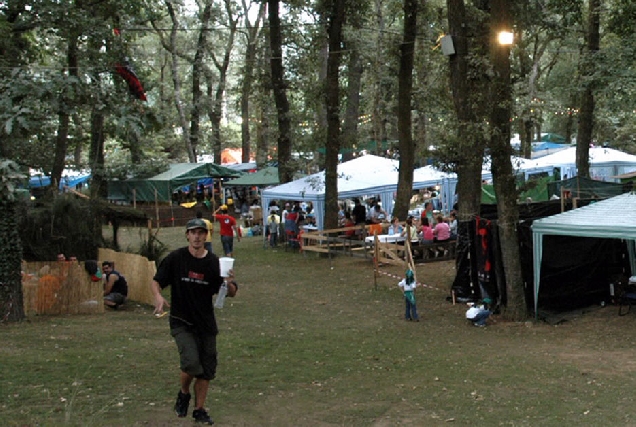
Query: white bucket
{"points": [[226, 264]]}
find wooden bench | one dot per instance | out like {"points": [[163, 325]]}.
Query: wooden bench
{"points": [[336, 240], [436, 251]]}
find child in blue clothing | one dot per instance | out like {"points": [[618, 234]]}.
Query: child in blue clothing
{"points": [[408, 288]]}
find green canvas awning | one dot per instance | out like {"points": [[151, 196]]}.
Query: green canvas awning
{"points": [[262, 178], [160, 187]]}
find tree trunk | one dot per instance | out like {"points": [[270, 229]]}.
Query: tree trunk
{"points": [[503, 176], [11, 298], [215, 115], [178, 102], [79, 142], [263, 130], [586, 113], [98, 187], [322, 123], [64, 118], [352, 113], [285, 169], [378, 120], [336, 21], [248, 77], [469, 99], [216, 112], [197, 71], [405, 88]]}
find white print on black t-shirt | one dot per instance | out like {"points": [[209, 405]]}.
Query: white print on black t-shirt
{"points": [[194, 277]]}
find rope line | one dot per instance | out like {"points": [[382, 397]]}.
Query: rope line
{"points": [[424, 285]]}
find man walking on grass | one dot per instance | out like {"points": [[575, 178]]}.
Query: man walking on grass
{"points": [[227, 229], [194, 274]]}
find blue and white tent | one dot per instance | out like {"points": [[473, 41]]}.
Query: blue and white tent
{"points": [[363, 176], [70, 178]]}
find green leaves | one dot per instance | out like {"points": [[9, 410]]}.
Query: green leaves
{"points": [[10, 176]]}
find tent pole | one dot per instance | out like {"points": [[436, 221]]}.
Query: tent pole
{"points": [[156, 207], [376, 265], [265, 215]]}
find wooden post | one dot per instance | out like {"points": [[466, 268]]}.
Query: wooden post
{"points": [[376, 266], [562, 199], [157, 206]]}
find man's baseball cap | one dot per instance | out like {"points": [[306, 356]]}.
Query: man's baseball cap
{"points": [[223, 207], [196, 223]]}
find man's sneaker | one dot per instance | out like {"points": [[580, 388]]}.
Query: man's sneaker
{"points": [[181, 407], [201, 416]]}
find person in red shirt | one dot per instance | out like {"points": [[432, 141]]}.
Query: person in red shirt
{"points": [[227, 226]]}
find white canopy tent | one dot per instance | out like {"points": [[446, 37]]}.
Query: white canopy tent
{"points": [[363, 176], [520, 166], [605, 163], [429, 176], [617, 223], [358, 177]]}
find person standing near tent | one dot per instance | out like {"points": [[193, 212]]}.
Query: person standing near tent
{"points": [[227, 229], [208, 240], [194, 276], [273, 224]]}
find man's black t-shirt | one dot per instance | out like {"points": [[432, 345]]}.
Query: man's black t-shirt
{"points": [[120, 286], [194, 281]]}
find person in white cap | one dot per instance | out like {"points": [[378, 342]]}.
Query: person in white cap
{"points": [[194, 275]]}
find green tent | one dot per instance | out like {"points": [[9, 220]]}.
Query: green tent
{"points": [[261, 178], [553, 137], [160, 187], [536, 190], [546, 187]]}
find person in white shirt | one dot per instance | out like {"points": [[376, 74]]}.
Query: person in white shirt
{"points": [[478, 314], [408, 286]]}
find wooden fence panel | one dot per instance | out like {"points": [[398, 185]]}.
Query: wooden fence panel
{"points": [[137, 270], [54, 287]]}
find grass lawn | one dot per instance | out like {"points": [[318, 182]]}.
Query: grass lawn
{"points": [[310, 341]]}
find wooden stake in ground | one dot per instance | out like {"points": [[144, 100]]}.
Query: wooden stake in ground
{"points": [[376, 254]]}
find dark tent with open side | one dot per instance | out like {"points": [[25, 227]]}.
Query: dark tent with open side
{"points": [[611, 219], [568, 260], [160, 187]]}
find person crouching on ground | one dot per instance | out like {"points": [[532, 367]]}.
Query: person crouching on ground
{"points": [[115, 285], [408, 286], [478, 314], [194, 276]]}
